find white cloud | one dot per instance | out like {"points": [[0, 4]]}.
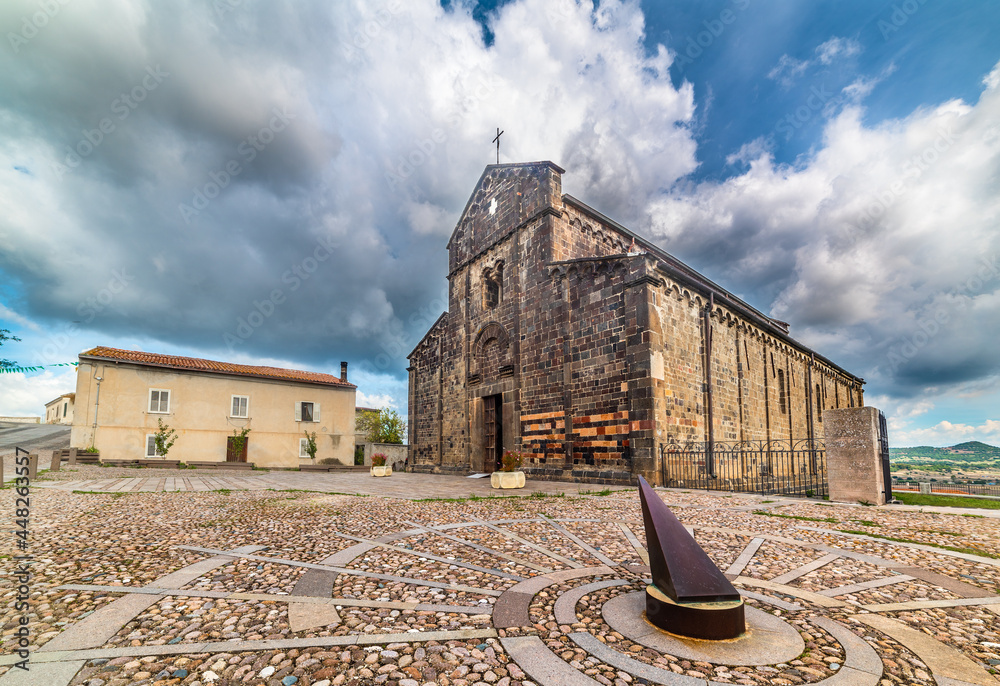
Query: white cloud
{"points": [[376, 400], [25, 395], [789, 69], [946, 433], [837, 47], [392, 111], [11, 315], [881, 247]]}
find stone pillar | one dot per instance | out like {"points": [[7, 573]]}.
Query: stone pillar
{"points": [[854, 462], [56, 461], [72, 456], [32, 466], [925, 488]]}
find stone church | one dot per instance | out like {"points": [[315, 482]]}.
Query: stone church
{"points": [[579, 343]]}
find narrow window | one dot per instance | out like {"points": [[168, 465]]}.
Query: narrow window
{"points": [[781, 392], [819, 403], [492, 294], [306, 412], [303, 447], [492, 287], [241, 406]]}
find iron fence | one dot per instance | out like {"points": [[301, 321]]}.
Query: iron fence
{"points": [[949, 488], [765, 467]]}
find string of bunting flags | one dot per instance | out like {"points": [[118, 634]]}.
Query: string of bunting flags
{"points": [[36, 368]]}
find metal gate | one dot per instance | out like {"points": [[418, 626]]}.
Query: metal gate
{"points": [[883, 447], [765, 467]]}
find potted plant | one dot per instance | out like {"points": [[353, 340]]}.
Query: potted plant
{"points": [[379, 467], [510, 474]]}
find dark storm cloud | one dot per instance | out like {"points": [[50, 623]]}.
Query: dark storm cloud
{"points": [[280, 179]]}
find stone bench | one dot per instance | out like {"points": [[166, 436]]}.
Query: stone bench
{"points": [[162, 464], [119, 463], [332, 468]]}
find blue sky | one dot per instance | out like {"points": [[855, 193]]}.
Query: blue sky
{"points": [[836, 164]]}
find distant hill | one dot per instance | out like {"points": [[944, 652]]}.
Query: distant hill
{"points": [[973, 451]]}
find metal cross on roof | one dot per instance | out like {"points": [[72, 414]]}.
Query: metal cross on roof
{"points": [[497, 141]]}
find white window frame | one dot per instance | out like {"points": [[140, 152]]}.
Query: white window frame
{"points": [[303, 455], [150, 442], [232, 402], [149, 400]]}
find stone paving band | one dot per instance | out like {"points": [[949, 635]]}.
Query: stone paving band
{"points": [[282, 586]]}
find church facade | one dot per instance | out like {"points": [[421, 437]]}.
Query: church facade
{"points": [[589, 349]]}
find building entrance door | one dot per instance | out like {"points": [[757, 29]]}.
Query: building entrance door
{"points": [[234, 455], [492, 432]]}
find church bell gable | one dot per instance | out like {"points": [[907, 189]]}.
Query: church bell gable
{"points": [[505, 197]]}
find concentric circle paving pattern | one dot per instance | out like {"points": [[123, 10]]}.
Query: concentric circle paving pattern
{"points": [[553, 597]]}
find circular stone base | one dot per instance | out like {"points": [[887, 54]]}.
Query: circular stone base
{"points": [[768, 640], [714, 621]]}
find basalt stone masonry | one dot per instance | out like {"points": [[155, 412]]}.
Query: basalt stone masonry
{"points": [[575, 341]]}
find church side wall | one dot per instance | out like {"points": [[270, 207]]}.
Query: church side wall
{"points": [[424, 399], [762, 387]]}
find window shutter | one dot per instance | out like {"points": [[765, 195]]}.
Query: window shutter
{"points": [[315, 412], [298, 412], [150, 446]]}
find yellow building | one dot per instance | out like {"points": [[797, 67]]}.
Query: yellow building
{"points": [[123, 393], [60, 410]]}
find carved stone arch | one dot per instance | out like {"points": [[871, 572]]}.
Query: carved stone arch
{"points": [[491, 352]]}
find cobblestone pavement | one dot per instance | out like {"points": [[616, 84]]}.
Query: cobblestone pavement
{"points": [[287, 586]]}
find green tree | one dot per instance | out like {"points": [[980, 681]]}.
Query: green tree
{"points": [[240, 439], [311, 445], [163, 438], [382, 426], [5, 336]]}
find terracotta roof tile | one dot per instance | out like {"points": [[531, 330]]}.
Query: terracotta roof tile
{"points": [[197, 364]]}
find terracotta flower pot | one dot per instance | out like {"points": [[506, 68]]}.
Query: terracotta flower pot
{"points": [[385, 470], [507, 479]]}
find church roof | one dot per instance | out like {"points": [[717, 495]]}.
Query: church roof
{"points": [[682, 272], [195, 364]]}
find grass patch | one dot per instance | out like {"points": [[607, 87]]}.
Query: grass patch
{"points": [[537, 495], [606, 491], [955, 549], [223, 491], [866, 522], [947, 501], [829, 520], [936, 531]]}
